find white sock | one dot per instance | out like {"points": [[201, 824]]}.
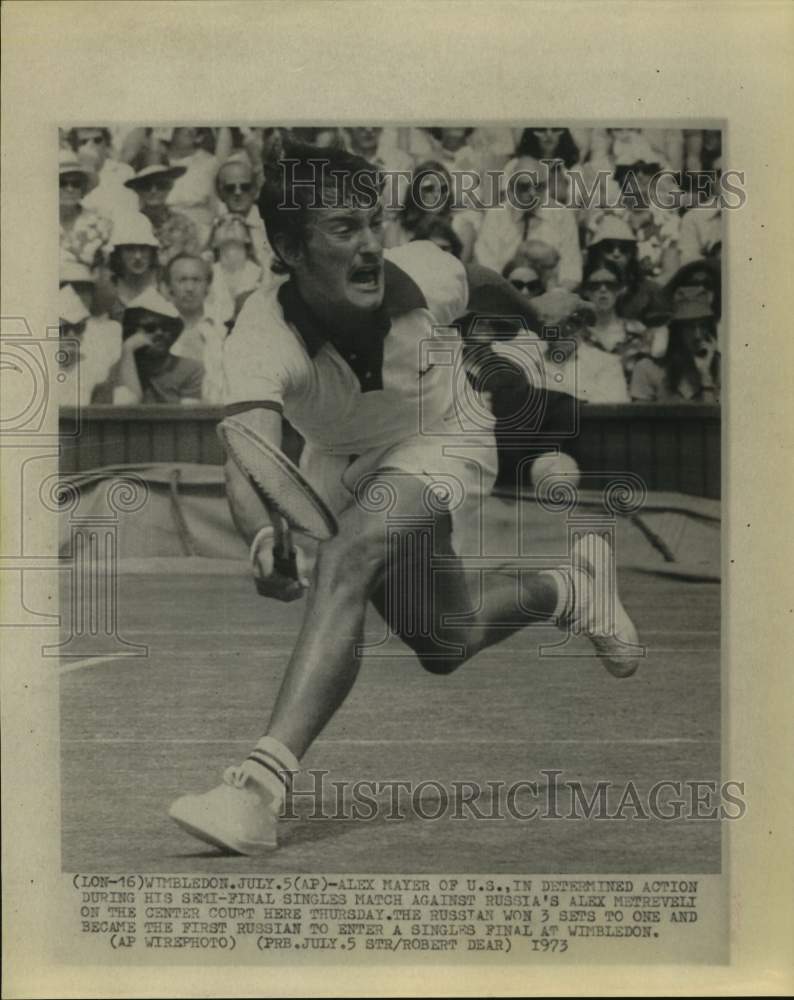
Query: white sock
{"points": [[272, 765]]}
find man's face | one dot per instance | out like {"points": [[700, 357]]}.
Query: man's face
{"points": [[153, 191], [187, 282], [365, 139], [433, 192], [341, 261], [136, 259], [92, 145], [236, 187], [698, 338]]}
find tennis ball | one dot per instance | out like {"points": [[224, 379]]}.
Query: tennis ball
{"points": [[554, 467]]}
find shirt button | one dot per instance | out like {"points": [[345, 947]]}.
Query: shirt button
{"points": [[354, 357], [367, 374]]}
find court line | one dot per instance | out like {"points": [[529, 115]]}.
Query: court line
{"points": [[95, 661]]}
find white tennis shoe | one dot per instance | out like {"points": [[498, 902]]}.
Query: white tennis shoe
{"points": [[237, 815], [597, 610]]}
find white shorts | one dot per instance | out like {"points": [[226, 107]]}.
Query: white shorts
{"points": [[458, 468]]}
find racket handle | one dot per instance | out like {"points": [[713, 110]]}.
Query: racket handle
{"points": [[285, 562]]}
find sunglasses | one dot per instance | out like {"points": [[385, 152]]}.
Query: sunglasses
{"points": [[244, 187], [71, 181], [610, 246], [97, 140], [152, 326], [594, 286], [529, 286], [156, 184]]}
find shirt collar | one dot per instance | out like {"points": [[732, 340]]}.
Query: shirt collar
{"points": [[401, 295]]}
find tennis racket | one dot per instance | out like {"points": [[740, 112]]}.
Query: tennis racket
{"points": [[278, 482]]}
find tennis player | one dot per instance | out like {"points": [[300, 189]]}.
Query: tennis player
{"points": [[337, 350]]}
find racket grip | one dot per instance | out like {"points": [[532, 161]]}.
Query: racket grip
{"points": [[285, 562]]}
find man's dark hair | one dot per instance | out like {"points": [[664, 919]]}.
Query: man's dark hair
{"points": [[430, 227], [306, 177]]}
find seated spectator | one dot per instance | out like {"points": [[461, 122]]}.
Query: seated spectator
{"points": [[439, 232], [524, 278], [85, 233], [699, 280], [147, 371], [133, 262], [615, 242], [429, 196], [101, 342], [627, 339], [193, 193], [175, 232], [186, 280], [690, 370], [528, 214], [110, 198], [577, 366], [237, 191], [555, 146], [235, 272]]}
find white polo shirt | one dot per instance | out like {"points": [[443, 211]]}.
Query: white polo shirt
{"points": [[367, 395]]}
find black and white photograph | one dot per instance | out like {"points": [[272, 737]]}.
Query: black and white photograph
{"points": [[377, 500]]}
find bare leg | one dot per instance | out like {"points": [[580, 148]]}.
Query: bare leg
{"points": [[489, 605]]}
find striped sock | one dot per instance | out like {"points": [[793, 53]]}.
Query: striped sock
{"points": [[563, 579], [272, 765]]}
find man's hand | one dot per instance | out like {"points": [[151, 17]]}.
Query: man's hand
{"points": [[280, 567], [138, 340]]}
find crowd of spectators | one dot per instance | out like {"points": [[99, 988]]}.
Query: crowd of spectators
{"points": [[161, 239]]}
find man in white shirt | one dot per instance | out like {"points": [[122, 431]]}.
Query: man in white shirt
{"points": [[339, 350], [527, 214], [237, 192], [187, 280]]}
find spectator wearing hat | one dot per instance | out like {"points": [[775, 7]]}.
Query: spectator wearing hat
{"points": [[174, 231], [614, 241], [237, 191], [147, 371], [528, 214], [84, 233], [101, 341], [186, 280], [133, 262], [690, 368], [110, 198], [698, 280]]}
